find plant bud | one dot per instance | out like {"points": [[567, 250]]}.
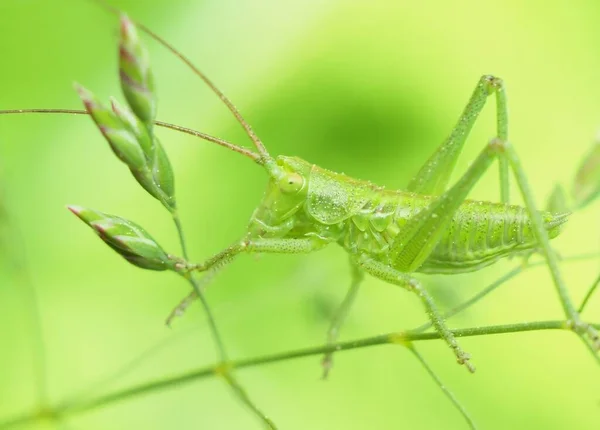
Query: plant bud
{"points": [[128, 239], [158, 179], [121, 139], [135, 126], [137, 81], [163, 174], [131, 141]]}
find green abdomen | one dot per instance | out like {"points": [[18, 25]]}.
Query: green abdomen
{"points": [[479, 234]]}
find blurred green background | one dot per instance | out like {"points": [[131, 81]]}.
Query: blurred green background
{"points": [[367, 88]]}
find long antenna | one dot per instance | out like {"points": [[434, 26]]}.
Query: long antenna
{"points": [[236, 113], [244, 151]]}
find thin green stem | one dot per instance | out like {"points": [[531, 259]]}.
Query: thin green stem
{"points": [[589, 293], [179, 227], [209, 316], [497, 283], [224, 368], [233, 383], [17, 256], [590, 346], [401, 338], [477, 297], [466, 304], [390, 338], [441, 385], [197, 288], [37, 339], [588, 334], [541, 234], [105, 382]]}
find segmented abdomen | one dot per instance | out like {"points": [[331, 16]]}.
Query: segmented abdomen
{"points": [[479, 233]]}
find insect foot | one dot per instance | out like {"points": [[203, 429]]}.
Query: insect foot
{"points": [[492, 83], [326, 364], [395, 277], [497, 145], [463, 358], [181, 307]]}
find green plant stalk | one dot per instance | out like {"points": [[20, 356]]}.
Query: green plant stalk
{"points": [[390, 338], [209, 316], [179, 227], [585, 332], [224, 369], [589, 293], [37, 333], [441, 385], [541, 235], [498, 282], [397, 338], [454, 311], [17, 256]]}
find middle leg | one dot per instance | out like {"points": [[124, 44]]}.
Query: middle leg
{"points": [[340, 315], [393, 276]]}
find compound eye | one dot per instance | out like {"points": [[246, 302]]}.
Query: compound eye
{"points": [[291, 183]]}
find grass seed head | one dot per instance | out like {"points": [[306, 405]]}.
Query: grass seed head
{"points": [[126, 238]]}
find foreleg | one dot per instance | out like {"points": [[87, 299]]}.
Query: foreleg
{"points": [[272, 246], [212, 265]]}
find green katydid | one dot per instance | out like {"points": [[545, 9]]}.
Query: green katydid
{"points": [[391, 234]]}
